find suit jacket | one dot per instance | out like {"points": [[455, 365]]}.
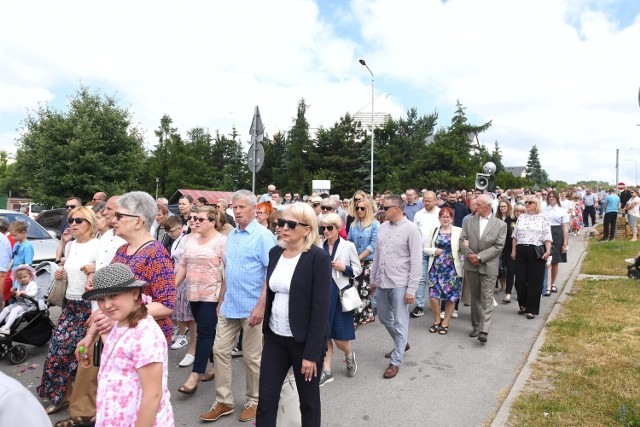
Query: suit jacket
{"points": [[346, 253], [488, 247], [308, 299]]}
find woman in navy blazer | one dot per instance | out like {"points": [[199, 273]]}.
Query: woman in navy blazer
{"points": [[296, 315]]}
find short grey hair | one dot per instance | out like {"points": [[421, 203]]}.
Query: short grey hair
{"points": [[142, 204], [396, 200], [487, 199], [162, 201], [253, 200]]}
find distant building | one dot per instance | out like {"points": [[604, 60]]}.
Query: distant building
{"points": [[364, 117], [517, 171]]}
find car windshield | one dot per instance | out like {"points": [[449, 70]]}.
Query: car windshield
{"points": [[34, 230]]}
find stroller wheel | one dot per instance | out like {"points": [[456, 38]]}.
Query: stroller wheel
{"points": [[18, 354]]}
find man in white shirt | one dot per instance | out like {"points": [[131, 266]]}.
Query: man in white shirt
{"points": [[427, 221]]}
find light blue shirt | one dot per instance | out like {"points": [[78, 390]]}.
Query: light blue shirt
{"points": [[246, 258], [612, 202], [364, 238], [22, 254]]}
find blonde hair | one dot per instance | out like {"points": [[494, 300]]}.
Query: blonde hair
{"points": [[531, 198], [332, 219], [213, 214], [352, 202], [305, 214], [89, 215], [369, 214]]}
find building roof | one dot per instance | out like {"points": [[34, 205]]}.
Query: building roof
{"points": [[517, 170], [211, 196], [364, 117]]}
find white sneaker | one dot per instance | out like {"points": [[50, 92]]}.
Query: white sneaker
{"points": [[187, 361], [442, 314], [181, 342], [5, 331], [174, 336], [455, 314]]}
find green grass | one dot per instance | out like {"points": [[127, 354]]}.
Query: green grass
{"points": [[588, 370], [608, 258]]}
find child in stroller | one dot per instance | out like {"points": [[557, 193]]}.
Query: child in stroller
{"points": [[33, 327], [25, 275]]}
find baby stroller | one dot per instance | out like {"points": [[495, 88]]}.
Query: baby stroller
{"points": [[634, 269], [33, 327]]}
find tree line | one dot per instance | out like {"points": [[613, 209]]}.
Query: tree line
{"points": [[95, 146]]}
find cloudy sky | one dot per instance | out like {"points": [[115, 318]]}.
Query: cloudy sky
{"points": [[561, 74]]}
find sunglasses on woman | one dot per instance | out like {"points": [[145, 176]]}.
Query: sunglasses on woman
{"points": [[326, 208], [200, 220], [193, 218], [77, 220], [326, 227], [290, 224], [361, 208], [120, 215]]}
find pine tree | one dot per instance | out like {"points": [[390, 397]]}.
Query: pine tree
{"points": [[496, 157], [534, 169]]}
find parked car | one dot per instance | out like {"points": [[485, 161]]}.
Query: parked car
{"points": [[52, 220], [44, 244], [30, 209]]}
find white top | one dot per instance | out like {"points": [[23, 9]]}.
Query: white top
{"points": [[280, 283], [427, 222], [107, 247], [634, 211], [18, 407], [80, 254], [483, 224], [557, 215], [568, 206]]}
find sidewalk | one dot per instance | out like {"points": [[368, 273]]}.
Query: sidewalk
{"points": [[449, 380]]}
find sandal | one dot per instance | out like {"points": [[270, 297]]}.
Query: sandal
{"points": [[443, 330], [76, 421], [53, 408], [547, 293], [434, 328], [554, 289], [530, 316]]}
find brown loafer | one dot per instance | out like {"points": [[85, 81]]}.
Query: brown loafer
{"points": [[53, 408], [406, 348], [209, 376], [391, 371], [187, 390]]}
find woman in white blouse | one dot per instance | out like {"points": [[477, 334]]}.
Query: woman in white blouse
{"points": [[632, 209], [559, 221], [532, 230]]}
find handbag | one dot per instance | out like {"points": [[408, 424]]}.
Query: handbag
{"points": [[350, 299], [97, 351], [540, 251], [58, 292], [289, 405]]}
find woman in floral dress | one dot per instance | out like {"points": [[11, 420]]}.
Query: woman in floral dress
{"points": [[445, 270]]}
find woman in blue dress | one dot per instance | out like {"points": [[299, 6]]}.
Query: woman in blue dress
{"points": [[445, 270]]}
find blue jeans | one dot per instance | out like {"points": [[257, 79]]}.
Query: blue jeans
{"points": [[422, 287], [393, 313], [206, 320]]}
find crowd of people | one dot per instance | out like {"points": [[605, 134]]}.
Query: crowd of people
{"points": [[268, 277]]}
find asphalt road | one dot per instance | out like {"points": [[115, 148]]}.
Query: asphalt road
{"points": [[450, 380]]}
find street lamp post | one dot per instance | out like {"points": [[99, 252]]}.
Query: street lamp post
{"points": [[372, 131]]}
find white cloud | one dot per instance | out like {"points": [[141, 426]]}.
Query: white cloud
{"points": [[559, 74]]}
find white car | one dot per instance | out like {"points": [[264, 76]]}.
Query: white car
{"points": [[44, 244]]}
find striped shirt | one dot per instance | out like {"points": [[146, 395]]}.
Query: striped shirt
{"points": [[398, 257], [246, 258]]}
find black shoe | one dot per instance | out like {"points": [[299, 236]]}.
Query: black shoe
{"points": [[474, 333], [417, 312], [483, 337]]}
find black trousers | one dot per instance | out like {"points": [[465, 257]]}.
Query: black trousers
{"points": [[589, 211], [278, 355], [529, 278], [609, 223], [510, 268]]}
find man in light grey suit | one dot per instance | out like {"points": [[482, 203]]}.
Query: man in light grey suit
{"points": [[483, 237]]}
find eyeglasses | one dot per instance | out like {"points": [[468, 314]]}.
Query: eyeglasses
{"points": [[386, 208], [274, 224], [290, 224], [529, 202], [326, 227], [544, 194], [120, 215], [326, 208], [70, 206], [193, 217], [315, 205], [77, 220], [201, 220], [361, 208]]}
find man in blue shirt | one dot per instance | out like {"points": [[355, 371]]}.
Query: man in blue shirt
{"points": [[611, 205], [241, 306]]}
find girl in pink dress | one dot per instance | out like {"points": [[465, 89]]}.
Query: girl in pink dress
{"points": [[132, 381]]}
